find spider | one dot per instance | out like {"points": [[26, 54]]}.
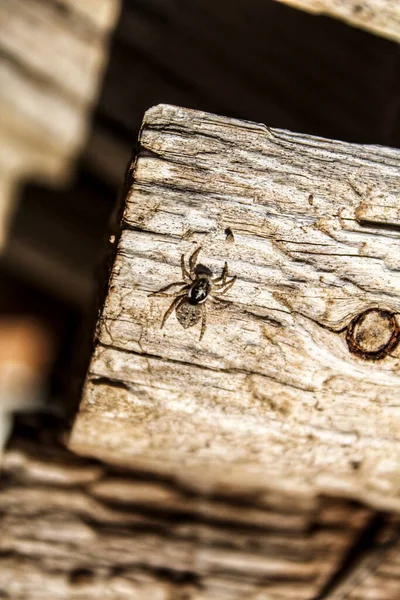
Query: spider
{"points": [[197, 286]]}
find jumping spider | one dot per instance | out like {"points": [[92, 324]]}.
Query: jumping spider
{"points": [[197, 286]]}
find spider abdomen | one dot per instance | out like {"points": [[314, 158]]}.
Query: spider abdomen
{"points": [[199, 290], [188, 314]]}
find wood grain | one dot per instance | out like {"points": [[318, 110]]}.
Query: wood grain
{"points": [[273, 397], [52, 57], [72, 528], [381, 17]]}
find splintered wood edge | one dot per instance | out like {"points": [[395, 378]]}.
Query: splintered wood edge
{"points": [[381, 17], [274, 397]]}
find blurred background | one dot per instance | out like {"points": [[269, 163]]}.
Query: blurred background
{"points": [[75, 80]]}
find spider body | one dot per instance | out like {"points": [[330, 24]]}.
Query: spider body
{"points": [[188, 314], [193, 291], [198, 292]]}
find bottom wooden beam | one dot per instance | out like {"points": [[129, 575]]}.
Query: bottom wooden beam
{"points": [[72, 528]]}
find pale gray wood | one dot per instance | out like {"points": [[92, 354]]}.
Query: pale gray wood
{"points": [[272, 397], [381, 17]]}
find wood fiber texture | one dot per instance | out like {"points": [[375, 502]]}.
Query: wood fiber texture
{"points": [[74, 528], [278, 394], [381, 17]]}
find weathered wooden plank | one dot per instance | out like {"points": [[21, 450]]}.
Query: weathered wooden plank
{"points": [[379, 16], [102, 14], [52, 57], [73, 527], [278, 393]]}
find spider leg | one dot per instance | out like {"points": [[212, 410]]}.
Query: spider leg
{"points": [[223, 276], [180, 294], [192, 262], [227, 286], [174, 304], [203, 321], [220, 286], [167, 287], [185, 273]]}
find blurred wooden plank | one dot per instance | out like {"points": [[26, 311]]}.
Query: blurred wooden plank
{"points": [[7, 187], [382, 17], [102, 14], [52, 56], [49, 44], [73, 527], [281, 392]]}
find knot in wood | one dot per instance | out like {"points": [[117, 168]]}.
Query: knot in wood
{"points": [[373, 334]]}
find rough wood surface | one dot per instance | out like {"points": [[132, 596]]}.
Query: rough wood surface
{"points": [[74, 528], [274, 395], [52, 56], [376, 574], [379, 16]]}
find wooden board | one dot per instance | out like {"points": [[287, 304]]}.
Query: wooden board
{"points": [[382, 17], [72, 528], [288, 388], [53, 54]]}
